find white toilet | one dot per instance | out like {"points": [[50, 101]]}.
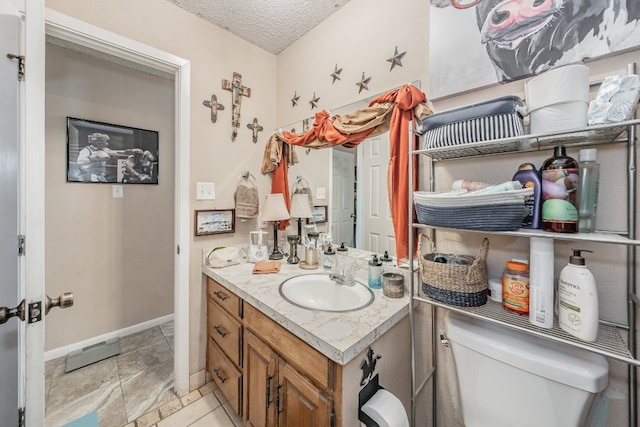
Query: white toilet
{"points": [[507, 378]]}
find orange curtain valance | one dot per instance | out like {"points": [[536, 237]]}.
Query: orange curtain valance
{"points": [[392, 111]]}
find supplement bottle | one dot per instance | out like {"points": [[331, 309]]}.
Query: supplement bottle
{"points": [[515, 287], [560, 181]]}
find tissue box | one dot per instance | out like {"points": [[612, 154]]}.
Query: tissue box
{"points": [[493, 119]]}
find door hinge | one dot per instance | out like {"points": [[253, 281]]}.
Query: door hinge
{"points": [[21, 245], [21, 60], [333, 418], [178, 249], [20, 417]]}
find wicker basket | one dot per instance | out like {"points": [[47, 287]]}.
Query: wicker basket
{"points": [[462, 282]]}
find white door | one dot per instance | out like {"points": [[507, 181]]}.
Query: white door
{"points": [[10, 295], [343, 197], [377, 225]]}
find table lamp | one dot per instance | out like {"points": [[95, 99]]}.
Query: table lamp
{"points": [[275, 210], [300, 208]]}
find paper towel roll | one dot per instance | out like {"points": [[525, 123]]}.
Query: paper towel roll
{"points": [[386, 409], [558, 99]]}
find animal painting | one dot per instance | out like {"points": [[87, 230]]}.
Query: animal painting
{"points": [[525, 37]]}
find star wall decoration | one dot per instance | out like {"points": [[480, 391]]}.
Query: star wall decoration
{"points": [[363, 83], [336, 74], [294, 100], [314, 101], [396, 59]]}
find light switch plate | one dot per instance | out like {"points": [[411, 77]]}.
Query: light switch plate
{"points": [[320, 193], [117, 191], [205, 191]]}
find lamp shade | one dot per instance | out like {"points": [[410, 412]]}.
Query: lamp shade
{"points": [[274, 208], [300, 206]]}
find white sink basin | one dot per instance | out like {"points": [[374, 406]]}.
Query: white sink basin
{"points": [[319, 292]]}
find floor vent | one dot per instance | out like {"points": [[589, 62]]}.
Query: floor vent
{"points": [[94, 353]]}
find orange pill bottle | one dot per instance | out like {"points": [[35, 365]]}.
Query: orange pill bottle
{"points": [[515, 287]]}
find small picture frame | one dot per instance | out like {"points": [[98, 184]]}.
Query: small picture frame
{"points": [[319, 215], [214, 221]]}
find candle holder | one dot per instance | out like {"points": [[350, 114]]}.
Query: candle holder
{"points": [[293, 242]]}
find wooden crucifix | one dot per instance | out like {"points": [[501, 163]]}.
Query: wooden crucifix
{"points": [[237, 92], [255, 128], [214, 106]]}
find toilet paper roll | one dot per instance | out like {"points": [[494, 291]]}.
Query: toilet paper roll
{"points": [[386, 409]]}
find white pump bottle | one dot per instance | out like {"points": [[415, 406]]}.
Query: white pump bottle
{"points": [[578, 299]]}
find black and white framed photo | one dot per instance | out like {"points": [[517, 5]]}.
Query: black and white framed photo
{"points": [[107, 153], [214, 221]]}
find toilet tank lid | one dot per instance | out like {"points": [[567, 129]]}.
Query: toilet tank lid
{"points": [[555, 361]]}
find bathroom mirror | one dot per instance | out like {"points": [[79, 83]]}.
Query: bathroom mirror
{"points": [[359, 213]]}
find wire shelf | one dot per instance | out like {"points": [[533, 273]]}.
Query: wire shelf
{"points": [[610, 342], [596, 134]]}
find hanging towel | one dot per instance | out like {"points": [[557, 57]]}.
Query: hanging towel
{"points": [[301, 186], [246, 197]]}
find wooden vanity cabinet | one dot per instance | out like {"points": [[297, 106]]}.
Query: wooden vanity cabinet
{"points": [[270, 377], [224, 342], [287, 383]]}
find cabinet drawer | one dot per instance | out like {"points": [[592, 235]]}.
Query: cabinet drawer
{"points": [[226, 376], [224, 298], [225, 331]]}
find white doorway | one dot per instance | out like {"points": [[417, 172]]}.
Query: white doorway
{"points": [[376, 232], [38, 24], [343, 196]]}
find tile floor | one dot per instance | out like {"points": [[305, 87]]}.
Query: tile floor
{"points": [[133, 389]]}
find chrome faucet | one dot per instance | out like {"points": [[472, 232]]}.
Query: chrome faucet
{"points": [[341, 279]]}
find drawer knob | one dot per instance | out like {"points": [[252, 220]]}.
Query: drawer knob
{"points": [[221, 296], [221, 377], [220, 331]]}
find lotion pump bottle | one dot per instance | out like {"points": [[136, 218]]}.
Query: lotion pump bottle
{"points": [[578, 312]]}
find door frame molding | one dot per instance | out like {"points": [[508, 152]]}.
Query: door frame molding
{"points": [[86, 35]]}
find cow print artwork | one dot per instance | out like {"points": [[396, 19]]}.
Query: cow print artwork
{"points": [[525, 37]]}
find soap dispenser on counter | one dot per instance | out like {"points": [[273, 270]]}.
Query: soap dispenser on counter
{"points": [[578, 312], [375, 273]]}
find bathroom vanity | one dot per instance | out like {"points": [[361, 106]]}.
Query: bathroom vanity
{"points": [[277, 363]]}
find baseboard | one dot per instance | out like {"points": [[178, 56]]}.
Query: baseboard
{"points": [[197, 380], [63, 351]]}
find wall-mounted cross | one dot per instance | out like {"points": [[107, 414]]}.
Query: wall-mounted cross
{"points": [[255, 128], [214, 106], [237, 92]]}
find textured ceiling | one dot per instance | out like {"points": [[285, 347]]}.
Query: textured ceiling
{"points": [[270, 24]]}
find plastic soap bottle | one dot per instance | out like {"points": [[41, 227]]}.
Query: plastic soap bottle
{"points": [[375, 273], [578, 311], [560, 193], [588, 190], [529, 177]]}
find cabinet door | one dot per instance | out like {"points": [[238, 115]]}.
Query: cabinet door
{"points": [[260, 380], [300, 402]]}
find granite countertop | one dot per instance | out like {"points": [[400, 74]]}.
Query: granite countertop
{"points": [[339, 336]]}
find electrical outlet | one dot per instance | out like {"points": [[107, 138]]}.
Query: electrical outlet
{"points": [[320, 193], [117, 191], [264, 224]]}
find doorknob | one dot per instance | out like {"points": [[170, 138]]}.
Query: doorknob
{"points": [[7, 313], [65, 300]]}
